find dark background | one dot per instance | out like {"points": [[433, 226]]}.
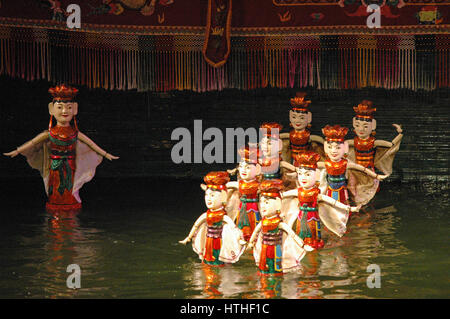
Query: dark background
{"points": [[138, 126]]}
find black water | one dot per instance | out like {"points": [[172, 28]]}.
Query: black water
{"points": [[125, 242]]}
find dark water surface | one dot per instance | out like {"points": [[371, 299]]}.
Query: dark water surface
{"points": [[125, 242]]}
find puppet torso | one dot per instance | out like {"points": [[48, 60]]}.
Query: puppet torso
{"points": [[63, 142], [249, 189], [365, 151], [270, 167], [337, 181], [299, 141]]}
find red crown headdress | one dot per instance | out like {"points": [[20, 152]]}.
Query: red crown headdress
{"points": [[217, 180], [299, 104], [249, 154], [272, 130], [364, 110], [63, 93], [271, 187], [306, 159], [335, 133]]}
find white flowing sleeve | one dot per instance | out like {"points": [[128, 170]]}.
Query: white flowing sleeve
{"points": [[38, 157], [231, 249], [335, 219], [199, 241], [292, 254], [86, 163]]}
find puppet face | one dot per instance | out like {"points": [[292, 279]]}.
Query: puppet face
{"points": [[306, 177], [363, 129], [268, 206], [299, 120], [270, 147], [214, 199], [248, 171], [63, 112], [335, 150]]}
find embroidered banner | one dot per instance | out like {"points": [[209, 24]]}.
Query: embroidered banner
{"points": [[164, 45], [218, 28]]}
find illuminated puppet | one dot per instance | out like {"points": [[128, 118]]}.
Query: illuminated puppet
{"points": [[312, 206], [300, 139], [247, 215], [215, 237], [334, 182], [369, 152], [278, 249], [272, 165], [65, 157]]}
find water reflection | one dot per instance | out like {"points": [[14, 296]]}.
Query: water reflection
{"points": [[339, 270], [216, 282], [65, 242]]}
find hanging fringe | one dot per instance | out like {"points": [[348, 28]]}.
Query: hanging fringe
{"points": [[165, 63]]}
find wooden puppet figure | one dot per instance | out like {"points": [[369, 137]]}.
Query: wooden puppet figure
{"points": [[247, 216], [300, 138], [278, 249], [369, 152], [65, 157], [215, 238], [337, 166], [312, 206], [270, 146], [272, 165]]}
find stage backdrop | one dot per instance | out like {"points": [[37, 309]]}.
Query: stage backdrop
{"points": [[203, 45]]}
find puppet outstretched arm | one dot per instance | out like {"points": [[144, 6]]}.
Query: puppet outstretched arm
{"points": [[24, 147], [351, 142], [232, 171], [337, 204], [287, 166], [316, 138], [252, 239], [283, 226], [86, 140], [399, 137], [292, 192], [234, 185], [395, 141], [197, 224], [366, 171], [321, 165]]}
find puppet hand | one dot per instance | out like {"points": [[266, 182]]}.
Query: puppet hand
{"points": [[382, 177], [250, 246], [242, 242], [308, 248], [232, 171], [355, 209], [111, 157], [185, 241], [398, 128], [12, 154]]}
